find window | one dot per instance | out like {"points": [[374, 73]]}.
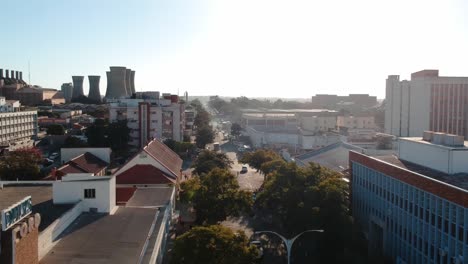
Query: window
{"points": [[89, 193]]}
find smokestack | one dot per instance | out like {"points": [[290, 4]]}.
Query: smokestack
{"points": [[21, 75], [116, 82], [7, 74], [132, 82], [1, 73], [128, 72], [17, 75], [94, 92], [77, 86]]}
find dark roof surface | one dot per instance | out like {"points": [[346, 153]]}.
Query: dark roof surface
{"points": [[100, 238], [165, 156], [41, 196], [334, 157], [144, 174], [84, 163], [153, 196]]}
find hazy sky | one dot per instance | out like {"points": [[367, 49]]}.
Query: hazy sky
{"points": [[236, 47]]}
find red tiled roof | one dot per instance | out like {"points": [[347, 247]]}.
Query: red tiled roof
{"points": [[84, 163], [162, 153], [144, 174]]}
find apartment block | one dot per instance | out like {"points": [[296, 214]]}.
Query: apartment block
{"points": [[413, 208], [426, 102], [150, 117]]}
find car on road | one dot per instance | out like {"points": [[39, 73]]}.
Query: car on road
{"points": [[53, 156], [244, 169]]}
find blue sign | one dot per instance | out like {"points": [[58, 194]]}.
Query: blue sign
{"points": [[16, 213]]}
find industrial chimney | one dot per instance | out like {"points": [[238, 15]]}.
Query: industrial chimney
{"points": [[132, 82], [21, 75], [94, 92], [7, 74], [17, 75], [1, 73], [77, 86], [116, 82]]}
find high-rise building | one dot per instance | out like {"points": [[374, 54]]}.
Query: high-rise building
{"points": [[413, 208], [77, 86], [426, 102], [67, 90], [149, 116], [94, 92]]}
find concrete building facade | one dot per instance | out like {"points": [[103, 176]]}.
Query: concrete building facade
{"points": [[150, 118], [426, 102], [330, 101], [77, 86], [17, 129], [413, 210], [94, 92], [67, 90]]}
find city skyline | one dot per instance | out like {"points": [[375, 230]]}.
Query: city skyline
{"points": [[254, 49]]}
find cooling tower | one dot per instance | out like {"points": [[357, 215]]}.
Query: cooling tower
{"points": [[128, 87], [77, 86], [116, 82], [132, 82], [94, 92]]}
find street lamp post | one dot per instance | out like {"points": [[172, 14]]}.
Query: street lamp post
{"points": [[289, 242]]}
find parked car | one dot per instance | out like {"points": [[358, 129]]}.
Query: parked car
{"points": [[244, 169]]}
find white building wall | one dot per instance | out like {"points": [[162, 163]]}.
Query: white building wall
{"points": [[69, 191], [313, 142], [420, 106], [425, 154], [318, 123]]}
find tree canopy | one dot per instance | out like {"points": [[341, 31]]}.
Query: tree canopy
{"points": [[309, 198], [74, 142], [215, 196], [96, 134], [213, 244], [205, 135], [116, 135], [208, 160], [55, 129], [258, 158], [21, 164]]}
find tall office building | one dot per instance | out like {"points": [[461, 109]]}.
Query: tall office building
{"points": [[413, 208], [426, 102]]}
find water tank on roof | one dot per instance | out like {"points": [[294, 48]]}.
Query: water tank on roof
{"points": [[427, 135]]}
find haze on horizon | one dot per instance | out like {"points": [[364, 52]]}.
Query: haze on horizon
{"points": [[262, 48]]}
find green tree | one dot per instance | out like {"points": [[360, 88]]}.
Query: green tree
{"points": [[310, 198], [213, 244], [55, 129], [205, 135], [202, 119], [74, 142], [258, 158], [208, 160], [236, 129], [96, 134], [217, 196], [118, 135], [22, 164]]}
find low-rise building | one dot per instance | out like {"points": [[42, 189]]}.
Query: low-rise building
{"points": [[36, 95], [83, 163], [413, 208], [356, 121], [17, 129]]}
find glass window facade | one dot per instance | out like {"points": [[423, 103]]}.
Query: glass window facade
{"points": [[408, 224]]}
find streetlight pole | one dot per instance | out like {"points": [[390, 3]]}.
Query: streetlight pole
{"points": [[289, 242]]}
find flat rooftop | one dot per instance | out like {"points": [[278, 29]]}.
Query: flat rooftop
{"points": [[286, 110], [99, 238], [151, 196], [459, 180], [420, 140], [41, 196]]}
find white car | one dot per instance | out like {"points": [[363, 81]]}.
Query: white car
{"points": [[244, 169]]}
